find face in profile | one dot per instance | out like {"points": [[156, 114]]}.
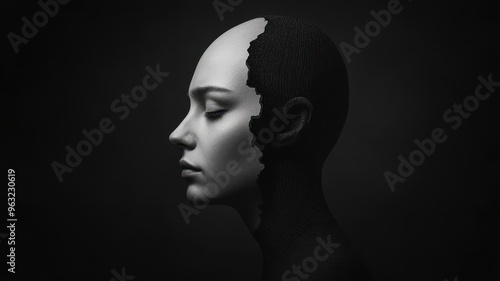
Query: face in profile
{"points": [[301, 107], [219, 162]]}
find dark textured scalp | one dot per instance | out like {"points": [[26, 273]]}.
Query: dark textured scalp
{"points": [[293, 58]]}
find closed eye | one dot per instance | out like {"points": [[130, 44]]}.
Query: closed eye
{"points": [[212, 115]]}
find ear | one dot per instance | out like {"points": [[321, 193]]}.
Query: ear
{"points": [[296, 115]]}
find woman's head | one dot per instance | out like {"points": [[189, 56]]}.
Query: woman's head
{"points": [[296, 68], [287, 74], [219, 162]]}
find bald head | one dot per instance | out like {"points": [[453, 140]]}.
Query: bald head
{"points": [[216, 128], [224, 62], [296, 67], [282, 59]]}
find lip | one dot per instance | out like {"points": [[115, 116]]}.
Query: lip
{"points": [[188, 173], [188, 169]]}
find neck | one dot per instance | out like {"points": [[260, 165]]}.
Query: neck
{"points": [[296, 223], [293, 205]]}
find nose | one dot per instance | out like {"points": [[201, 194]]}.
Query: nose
{"points": [[182, 136]]}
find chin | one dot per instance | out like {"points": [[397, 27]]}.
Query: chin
{"points": [[199, 192], [194, 191]]}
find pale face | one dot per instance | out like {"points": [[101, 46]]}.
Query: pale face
{"points": [[218, 161]]}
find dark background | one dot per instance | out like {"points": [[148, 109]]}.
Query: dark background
{"points": [[119, 207]]}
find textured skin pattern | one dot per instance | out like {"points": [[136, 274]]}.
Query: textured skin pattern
{"points": [[294, 59]]}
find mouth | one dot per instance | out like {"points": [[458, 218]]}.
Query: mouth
{"points": [[188, 169]]}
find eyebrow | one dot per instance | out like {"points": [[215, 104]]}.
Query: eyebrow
{"points": [[200, 91]]}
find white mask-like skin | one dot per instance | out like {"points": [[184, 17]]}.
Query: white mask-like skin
{"points": [[219, 163]]}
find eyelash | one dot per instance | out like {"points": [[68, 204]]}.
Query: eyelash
{"points": [[214, 114]]}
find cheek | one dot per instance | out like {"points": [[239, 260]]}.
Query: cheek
{"points": [[223, 157], [224, 141]]}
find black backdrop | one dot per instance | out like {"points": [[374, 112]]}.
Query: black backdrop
{"points": [[118, 208]]}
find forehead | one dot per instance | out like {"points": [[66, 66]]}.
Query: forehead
{"points": [[224, 62]]}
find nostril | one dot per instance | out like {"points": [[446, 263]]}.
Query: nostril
{"points": [[175, 140], [171, 139], [175, 137], [181, 140], [183, 136]]}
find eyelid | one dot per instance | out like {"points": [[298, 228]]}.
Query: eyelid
{"points": [[212, 102], [215, 114], [213, 105], [222, 99]]}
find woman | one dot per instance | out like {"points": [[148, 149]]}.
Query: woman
{"points": [[268, 100]]}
